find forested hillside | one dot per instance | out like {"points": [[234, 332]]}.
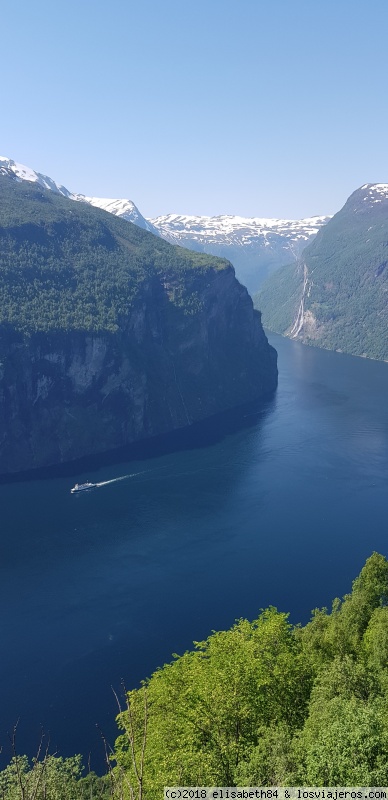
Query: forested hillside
{"points": [[68, 266], [264, 703], [110, 335], [336, 295]]}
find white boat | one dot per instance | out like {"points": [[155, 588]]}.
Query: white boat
{"points": [[83, 487]]}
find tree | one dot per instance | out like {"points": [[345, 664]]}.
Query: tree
{"points": [[208, 708]]}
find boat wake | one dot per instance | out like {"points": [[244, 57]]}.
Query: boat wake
{"points": [[121, 478]]}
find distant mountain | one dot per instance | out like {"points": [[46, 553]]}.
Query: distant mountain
{"points": [[255, 246], [336, 296], [120, 208]]}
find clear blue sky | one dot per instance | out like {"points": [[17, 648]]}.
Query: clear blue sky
{"points": [[248, 107]]}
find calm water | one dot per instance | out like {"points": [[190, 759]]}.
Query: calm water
{"points": [[106, 585]]}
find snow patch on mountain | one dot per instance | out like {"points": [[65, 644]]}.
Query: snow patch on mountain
{"points": [[234, 229], [121, 208], [256, 246], [125, 209], [27, 174], [375, 192]]}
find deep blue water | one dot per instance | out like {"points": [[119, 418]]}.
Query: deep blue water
{"points": [[282, 510]]}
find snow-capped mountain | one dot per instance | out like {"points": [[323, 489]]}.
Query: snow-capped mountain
{"points": [[235, 230], [255, 246], [8, 166], [374, 192], [121, 208]]}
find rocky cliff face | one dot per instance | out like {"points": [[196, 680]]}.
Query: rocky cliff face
{"points": [[64, 395]]}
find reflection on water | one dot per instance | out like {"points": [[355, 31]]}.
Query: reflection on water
{"points": [[280, 507]]}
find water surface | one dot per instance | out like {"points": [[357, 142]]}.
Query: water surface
{"points": [[106, 585]]}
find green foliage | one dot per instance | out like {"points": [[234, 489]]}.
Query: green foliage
{"points": [[264, 703], [375, 640], [346, 294], [345, 742], [69, 266], [50, 778], [341, 632], [207, 708], [272, 762]]}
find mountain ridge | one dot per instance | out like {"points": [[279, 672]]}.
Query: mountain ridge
{"points": [[122, 207], [256, 246]]}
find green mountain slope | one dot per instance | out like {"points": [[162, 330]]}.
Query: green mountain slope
{"points": [[109, 335], [336, 295], [67, 266]]}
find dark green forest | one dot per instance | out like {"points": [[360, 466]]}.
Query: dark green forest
{"points": [[264, 703], [68, 266]]}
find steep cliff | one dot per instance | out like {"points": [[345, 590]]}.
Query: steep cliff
{"points": [[109, 335]]}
